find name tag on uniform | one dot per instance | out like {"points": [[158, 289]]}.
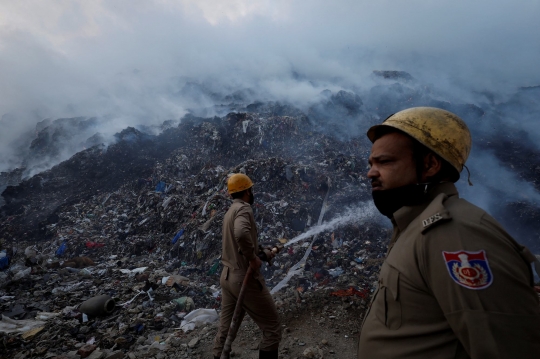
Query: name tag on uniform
{"points": [[428, 221]]}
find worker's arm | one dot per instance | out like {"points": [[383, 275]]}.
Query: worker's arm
{"points": [[497, 316], [242, 234]]}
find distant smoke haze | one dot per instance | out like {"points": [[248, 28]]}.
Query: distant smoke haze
{"points": [[134, 63], [130, 58]]}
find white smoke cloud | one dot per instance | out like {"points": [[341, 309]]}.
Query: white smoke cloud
{"points": [[128, 60], [489, 177]]}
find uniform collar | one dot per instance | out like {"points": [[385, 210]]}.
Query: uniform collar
{"points": [[405, 215], [238, 200]]}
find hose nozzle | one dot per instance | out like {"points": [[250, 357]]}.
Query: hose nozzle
{"points": [[267, 254]]}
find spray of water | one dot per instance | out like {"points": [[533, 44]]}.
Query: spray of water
{"points": [[364, 212], [356, 214]]}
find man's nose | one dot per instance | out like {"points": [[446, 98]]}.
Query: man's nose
{"points": [[373, 172]]}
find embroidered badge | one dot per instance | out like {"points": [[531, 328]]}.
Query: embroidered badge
{"points": [[469, 269]]}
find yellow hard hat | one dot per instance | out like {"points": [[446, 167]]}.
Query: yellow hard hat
{"points": [[238, 182], [441, 131]]}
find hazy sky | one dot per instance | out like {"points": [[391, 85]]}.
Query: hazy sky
{"points": [[59, 53], [126, 58]]}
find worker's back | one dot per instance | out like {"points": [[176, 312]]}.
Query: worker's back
{"points": [[239, 236]]}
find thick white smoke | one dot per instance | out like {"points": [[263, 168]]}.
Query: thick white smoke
{"points": [[135, 62], [130, 59]]}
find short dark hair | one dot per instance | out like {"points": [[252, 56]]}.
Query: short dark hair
{"points": [[239, 194], [420, 151]]}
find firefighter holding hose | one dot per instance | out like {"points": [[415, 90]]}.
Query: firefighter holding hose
{"points": [[240, 253], [454, 283]]}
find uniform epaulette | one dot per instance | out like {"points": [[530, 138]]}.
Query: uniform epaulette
{"points": [[435, 219]]}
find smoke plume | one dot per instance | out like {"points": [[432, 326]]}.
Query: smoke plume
{"points": [[119, 63]]}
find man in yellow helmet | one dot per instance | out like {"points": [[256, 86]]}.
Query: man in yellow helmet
{"points": [[454, 284], [240, 248]]}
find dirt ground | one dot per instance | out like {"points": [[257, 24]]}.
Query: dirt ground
{"points": [[315, 327]]}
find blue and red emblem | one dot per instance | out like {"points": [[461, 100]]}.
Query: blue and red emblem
{"points": [[469, 269]]}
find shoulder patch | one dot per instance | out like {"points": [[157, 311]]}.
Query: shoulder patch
{"points": [[469, 269]]}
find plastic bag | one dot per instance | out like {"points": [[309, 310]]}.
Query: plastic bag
{"points": [[46, 315], [197, 318], [214, 268], [60, 251], [4, 262], [133, 271], [184, 303], [8, 325], [160, 187], [178, 235], [22, 274]]}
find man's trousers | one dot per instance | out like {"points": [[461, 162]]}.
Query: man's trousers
{"points": [[258, 304]]}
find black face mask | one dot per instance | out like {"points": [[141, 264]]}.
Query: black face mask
{"points": [[390, 200], [251, 198]]}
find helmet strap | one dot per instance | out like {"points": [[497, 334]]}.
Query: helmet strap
{"points": [[469, 175]]}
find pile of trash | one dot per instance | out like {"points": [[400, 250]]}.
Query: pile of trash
{"points": [[115, 253], [114, 309], [124, 267], [71, 308]]}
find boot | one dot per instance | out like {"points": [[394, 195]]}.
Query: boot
{"points": [[268, 355]]}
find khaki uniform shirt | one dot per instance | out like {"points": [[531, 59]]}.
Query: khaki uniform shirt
{"points": [[239, 236], [454, 285]]}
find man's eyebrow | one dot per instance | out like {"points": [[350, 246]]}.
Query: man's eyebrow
{"points": [[378, 157]]}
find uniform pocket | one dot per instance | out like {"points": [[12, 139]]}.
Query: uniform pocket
{"points": [[224, 274], [389, 305]]}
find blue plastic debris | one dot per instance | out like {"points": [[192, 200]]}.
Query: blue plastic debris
{"points": [[4, 261], [359, 260], [178, 235], [336, 272], [160, 187], [139, 328], [60, 251]]}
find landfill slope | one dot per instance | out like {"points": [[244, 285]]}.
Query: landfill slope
{"points": [[140, 221], [166, 218]]}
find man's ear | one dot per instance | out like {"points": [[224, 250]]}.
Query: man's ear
{"points": [[432, 166]]}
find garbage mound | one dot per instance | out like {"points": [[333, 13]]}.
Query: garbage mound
{"points": [[116, 252], [152, 246]]}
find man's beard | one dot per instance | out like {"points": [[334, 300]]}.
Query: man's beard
{"points": [[390, 200]]}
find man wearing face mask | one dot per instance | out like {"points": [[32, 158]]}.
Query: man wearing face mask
{"points": [[240, 248], [454, 284]]}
